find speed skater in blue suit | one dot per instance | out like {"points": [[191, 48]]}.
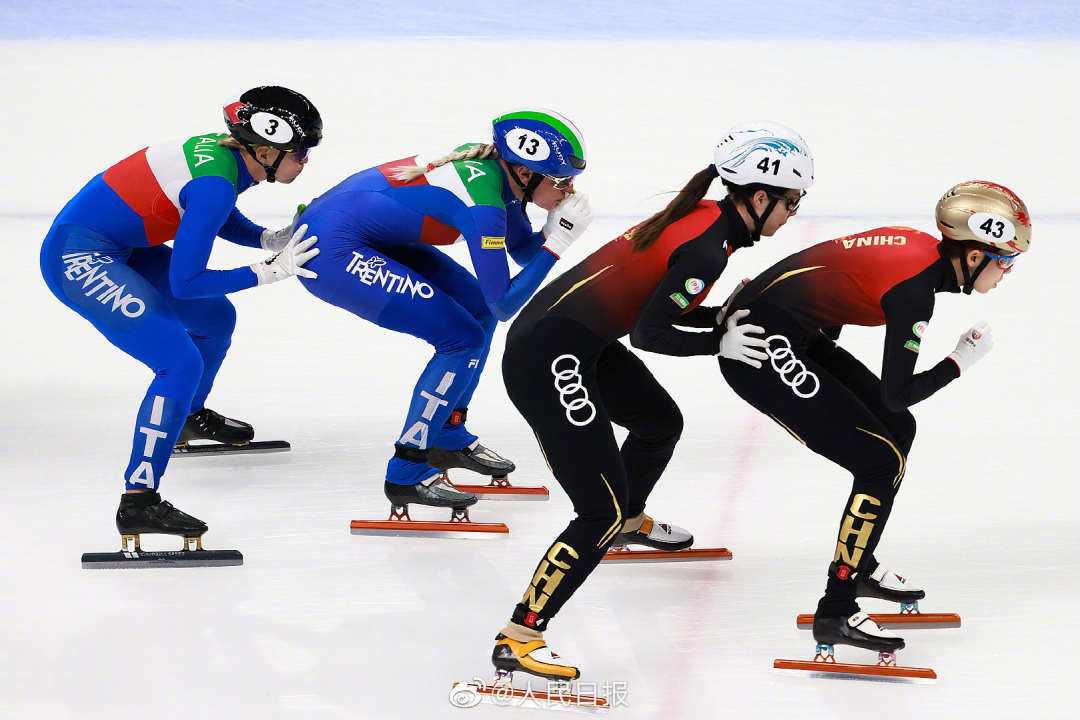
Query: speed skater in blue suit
{"points": [[377, 233], [106, 259]]}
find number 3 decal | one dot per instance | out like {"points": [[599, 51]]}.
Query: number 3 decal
{"points": [[271, 127]]}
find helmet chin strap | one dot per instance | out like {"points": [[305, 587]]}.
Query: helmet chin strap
{"points": [[271, 170], [759, 221], [969, 278], [527, 188]]}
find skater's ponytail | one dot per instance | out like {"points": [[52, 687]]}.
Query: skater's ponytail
{"points": [[405, 173], [646, 233]]}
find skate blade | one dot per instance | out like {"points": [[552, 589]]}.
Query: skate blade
{"points": [[473, 693], [688, 555], [856, 671], [163, 559], [505, 492], [419, 528], [927, 621], [258, 446]]}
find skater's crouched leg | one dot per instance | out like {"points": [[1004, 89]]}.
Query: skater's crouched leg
{"points": [[635, 400], [878, 466], [592, 474], [178, 369], [553, 378], [601, 509], [210, 323], [901, 427]]}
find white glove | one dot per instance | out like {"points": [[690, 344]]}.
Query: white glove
{"points": [[289, 260], [274, 240], [973, 345], [737, 344], [566, 222]]}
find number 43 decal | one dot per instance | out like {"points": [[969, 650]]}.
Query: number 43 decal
{"points": [[993, 228], [763, 166]]}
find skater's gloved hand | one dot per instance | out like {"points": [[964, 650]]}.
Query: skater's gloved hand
{"points": [[973, 346], [737, 342], [566, 222], [274, 240], [289, 260], [727, 303]]}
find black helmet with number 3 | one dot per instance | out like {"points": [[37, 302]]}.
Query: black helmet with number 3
{"points": [[275, 116]]}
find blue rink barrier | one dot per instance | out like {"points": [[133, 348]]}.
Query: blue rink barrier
{"points": [[869, 20]]}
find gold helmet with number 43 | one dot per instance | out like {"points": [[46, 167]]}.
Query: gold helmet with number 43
{"points": [[987, 213]]}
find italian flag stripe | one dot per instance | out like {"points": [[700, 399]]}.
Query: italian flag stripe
{"points": [[133, 180], [446, 176], [150, 181], [473, 182], [482, 178], [389, 168], [170, 169]]}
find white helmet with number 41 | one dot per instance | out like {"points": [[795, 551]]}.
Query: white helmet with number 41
{"points": [[764, 152]]}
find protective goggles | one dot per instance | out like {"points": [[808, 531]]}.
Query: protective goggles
{"points": [[1005, 262], [561, 183], [792, 204]]}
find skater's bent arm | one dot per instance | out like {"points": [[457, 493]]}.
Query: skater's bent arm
{"points": [[207, 203], [700, 317], [908, 308], [240, 230], [655, 329], [484, 230], [524, 285], [521, 242]]}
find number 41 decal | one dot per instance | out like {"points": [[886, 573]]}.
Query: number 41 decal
{"points": [[763, 166]]}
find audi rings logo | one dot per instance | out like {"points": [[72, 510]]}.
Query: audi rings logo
{"points": [[572, 394], [791, 370]]}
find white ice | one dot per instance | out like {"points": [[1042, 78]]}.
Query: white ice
{"points": [[320, 624]]}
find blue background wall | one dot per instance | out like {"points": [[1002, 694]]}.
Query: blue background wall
{"points": [[611, 19]]}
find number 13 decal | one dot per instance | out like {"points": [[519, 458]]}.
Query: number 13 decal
{"points": [[523, 142], [533, 143]]}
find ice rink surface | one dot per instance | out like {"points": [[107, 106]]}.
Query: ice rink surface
{"points": [[320, 624]]}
